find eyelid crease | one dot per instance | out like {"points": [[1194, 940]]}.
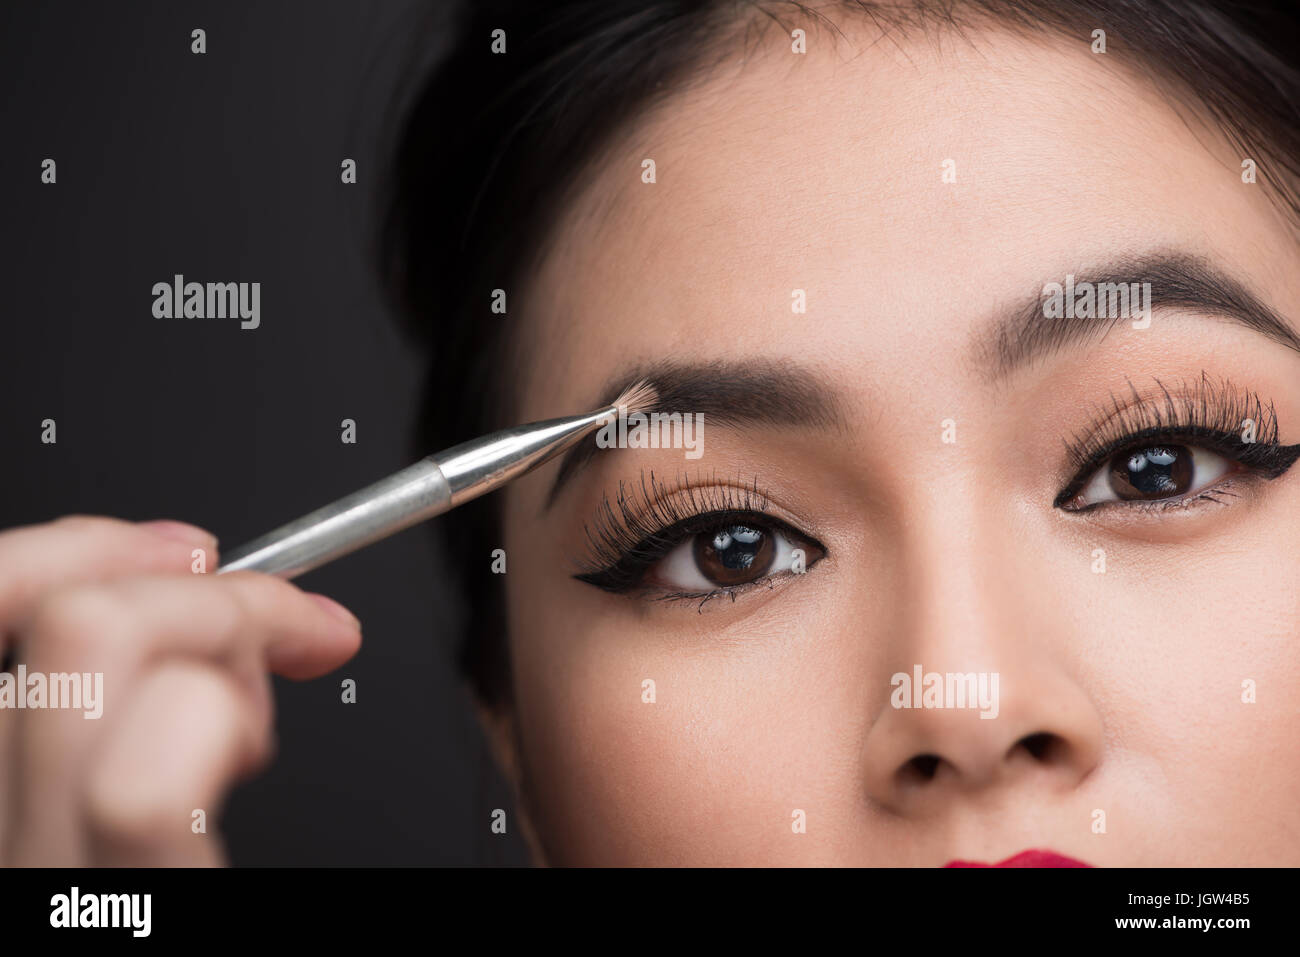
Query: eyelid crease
{"points": [[622, 527], [1205, 412], [1202, 406]]}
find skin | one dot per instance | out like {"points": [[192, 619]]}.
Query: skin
{"points": [[822, 172], [187, 708], [772, 177]]}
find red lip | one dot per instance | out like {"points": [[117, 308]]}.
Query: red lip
{"points": [[1026, 859]]}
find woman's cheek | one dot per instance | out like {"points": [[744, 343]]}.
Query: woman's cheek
{"points": [[1240, 700], [1194, 652], [708, 752]]}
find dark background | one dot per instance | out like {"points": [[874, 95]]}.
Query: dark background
{"points": [[225, 167]]}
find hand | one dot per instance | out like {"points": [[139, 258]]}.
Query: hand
{"points": [[186, 693]]}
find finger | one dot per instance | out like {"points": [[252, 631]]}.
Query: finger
{"points": [[109, 633], [36, 558], [121, 624], [156, 789], [82, 548]]}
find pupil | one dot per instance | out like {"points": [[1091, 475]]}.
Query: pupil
{"points": [[734, 554], [1159, 471]]}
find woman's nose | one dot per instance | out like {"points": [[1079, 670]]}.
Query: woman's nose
{"points": [[1034, 729], [987, 690]]}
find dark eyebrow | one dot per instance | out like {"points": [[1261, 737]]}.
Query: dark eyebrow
{"points": [[727, 392], [1177, 280]]}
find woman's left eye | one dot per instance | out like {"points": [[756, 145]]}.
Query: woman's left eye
{"points": [[729, 554], [1144, 473]]}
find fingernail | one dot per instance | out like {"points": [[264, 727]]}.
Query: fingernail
{"points": [[335, 609], [180, 532]]}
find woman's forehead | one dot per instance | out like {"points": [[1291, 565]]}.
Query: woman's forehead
{"points": [[903, 193]]}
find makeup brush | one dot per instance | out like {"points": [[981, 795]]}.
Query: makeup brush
{"points": [[429, 487]]}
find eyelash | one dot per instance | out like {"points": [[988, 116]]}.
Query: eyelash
{"points": [[641, 526], [1204, 413], [632, 533]]}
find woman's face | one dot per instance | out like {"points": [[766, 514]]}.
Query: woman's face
{"points": [[912, 433]]}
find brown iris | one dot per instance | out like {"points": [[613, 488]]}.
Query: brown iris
{"points": [[1157, 471], [734, 554]]}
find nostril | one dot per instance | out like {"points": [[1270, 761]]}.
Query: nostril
{"points": [[1044, 746], [920, 769]]}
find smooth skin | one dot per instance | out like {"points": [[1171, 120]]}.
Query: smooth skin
{"points": [[187, 709], [819, 172], [823, 172]]}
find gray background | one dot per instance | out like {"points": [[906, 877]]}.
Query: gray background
{"points": [[225, 167]]}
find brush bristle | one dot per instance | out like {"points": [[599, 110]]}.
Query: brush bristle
{"points": [[640, 397]]}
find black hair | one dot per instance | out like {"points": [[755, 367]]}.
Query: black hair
{"points": [[490, 145]]}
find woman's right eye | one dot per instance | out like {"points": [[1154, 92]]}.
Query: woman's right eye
{"points": [[729, 554], [1154, 472]]}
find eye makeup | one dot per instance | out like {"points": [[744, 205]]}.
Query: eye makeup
{"points": [[722, 529], [1177, 446], [1149, 445]]}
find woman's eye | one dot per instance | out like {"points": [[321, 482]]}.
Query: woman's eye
{"points": [[728, 554], [1151, 472]]}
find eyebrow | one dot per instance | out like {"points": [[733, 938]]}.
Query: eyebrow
{"points": [[728, 392], [1178, 280], [746, 392]]}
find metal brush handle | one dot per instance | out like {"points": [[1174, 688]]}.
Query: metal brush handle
{"points": [[403, 499], [418, 492]]}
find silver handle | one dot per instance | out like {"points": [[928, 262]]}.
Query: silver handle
{"points": [[403, 499]]}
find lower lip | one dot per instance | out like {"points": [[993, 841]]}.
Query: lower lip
{"points": [[1026, 859]]}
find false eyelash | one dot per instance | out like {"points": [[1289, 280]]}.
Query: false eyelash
{"points": [[1205, 413], [636, 529]]}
